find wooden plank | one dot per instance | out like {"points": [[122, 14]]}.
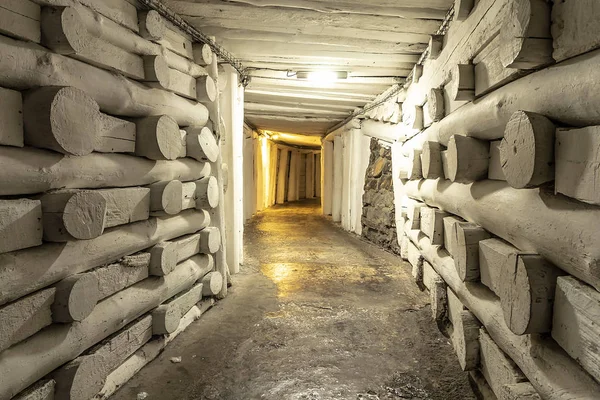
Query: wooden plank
{"points": [[11, 118], [20, 19], [575, 323], [577, 162], [574, 27], [115, 277], [20, 224], [497, 368], [25, 317]]}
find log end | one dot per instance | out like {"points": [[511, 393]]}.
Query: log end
{"points": [[210, 240], [165, 320], [75, 298], [212, 284], [163, 259], [85, 215]]}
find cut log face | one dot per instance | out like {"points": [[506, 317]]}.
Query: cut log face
{"points": [[42, 390], [404, 244], [465, 333], [450, 240], [203, 54], [206, 89], [462, 9], [437, 294], [158, 138], [468, 159], [165, 320], [188, 197], [201, 144], [413, 213], [468, 236], [577, 161], [494, 254], [527, 150], [527, 289], [84, 377], [166, 196], [212, 283], [207, 193], [84, 214], [495, 168], [11, 115], [63, 119], [497, 368], [526, 42], [210, 240], [25, 317], [435, 99], [163, 258], [75, 298], [417, 72], [431, 160], [436, 43], [575, 322], [157, 70], [20, 224], [412, 116], [518, 391], [462, 87]]}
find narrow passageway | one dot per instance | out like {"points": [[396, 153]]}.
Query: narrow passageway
{"points": [[315, 314]]}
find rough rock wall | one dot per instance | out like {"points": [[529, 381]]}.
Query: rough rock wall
{"points": [[378, 218]]}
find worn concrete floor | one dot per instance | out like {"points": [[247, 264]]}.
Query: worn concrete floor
{"points": [[315, 314]]}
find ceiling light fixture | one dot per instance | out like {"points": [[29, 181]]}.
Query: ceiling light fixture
{"points": [[322, 76]]}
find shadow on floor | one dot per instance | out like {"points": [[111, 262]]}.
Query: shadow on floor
{"points": [[315, 314]]}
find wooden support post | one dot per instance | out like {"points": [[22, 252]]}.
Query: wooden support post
{"points": [[435, 100], [83, 378], [431, 160], [282, 176], [63, 119], [25, 317], [575, 322], [11, 115], [75, 298], [84, 214], [526, 41], [450, 239], [462, 87], [468, 159], [201, 144], [527, 288], [462, 9], [436, 43], [20, 224], [158, 138], [465, 333], [497, 368], [468, 236], [527, 150], [577, 163]]}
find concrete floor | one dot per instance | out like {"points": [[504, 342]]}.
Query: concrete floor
{"points": [[315, 314]]}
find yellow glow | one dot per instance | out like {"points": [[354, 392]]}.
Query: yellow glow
{"points": [[322, 77], [275, 136]]}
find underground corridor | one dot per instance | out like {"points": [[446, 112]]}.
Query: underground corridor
{"points": [[316, 313]]}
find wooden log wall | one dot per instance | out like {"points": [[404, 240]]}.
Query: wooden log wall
{"points": [[111, 210], [497, 192]]}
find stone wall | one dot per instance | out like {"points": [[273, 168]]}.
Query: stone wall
{"points": [[378, 219]]}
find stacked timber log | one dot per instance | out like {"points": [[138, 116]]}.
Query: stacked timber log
{"points": [[499, 198], [109, 240]]}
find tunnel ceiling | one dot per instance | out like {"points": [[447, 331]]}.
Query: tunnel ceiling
{"points": [[376, 41]]}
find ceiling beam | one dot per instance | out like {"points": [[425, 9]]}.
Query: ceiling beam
{"points": [[307, 97], [279, 78], [275, 101], [363, 71], [304, 18]]}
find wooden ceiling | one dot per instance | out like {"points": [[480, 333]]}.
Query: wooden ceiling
{"points": [[376, 41]]}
